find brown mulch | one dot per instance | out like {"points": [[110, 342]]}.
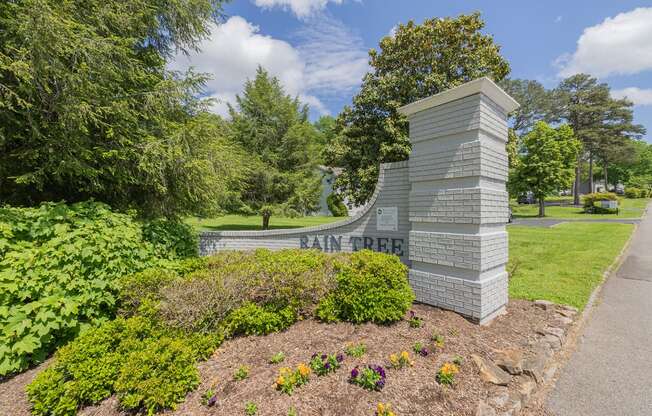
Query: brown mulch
{"points": [[411, 391]]}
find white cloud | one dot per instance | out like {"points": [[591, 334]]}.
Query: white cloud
{"points": [[328, 61], [619, 45], [301, 8], [638, 96]]}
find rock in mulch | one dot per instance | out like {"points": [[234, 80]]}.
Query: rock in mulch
{"points": [[544, 304], [510, 360], [535, 365], [490, 372], [484, 409]]}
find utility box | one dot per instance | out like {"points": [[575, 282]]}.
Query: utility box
{"points": [[609, 204]]}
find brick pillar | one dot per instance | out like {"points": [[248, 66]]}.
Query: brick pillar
{"points": [[458, 201]]}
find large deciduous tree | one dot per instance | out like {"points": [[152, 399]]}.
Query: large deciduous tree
{"points": [[416, 61], [547, 161], [89, 110], [283, 147]]}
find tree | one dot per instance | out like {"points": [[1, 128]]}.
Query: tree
{"points": [[534, 99], [546, 164], [89, 110], [273, 127], [596, 118], [415, 62]]}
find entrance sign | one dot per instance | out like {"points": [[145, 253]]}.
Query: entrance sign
{"points": [[387, 219], [443, 211]]}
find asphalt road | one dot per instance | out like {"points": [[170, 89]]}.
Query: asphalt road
{"points": [[610, 373]]}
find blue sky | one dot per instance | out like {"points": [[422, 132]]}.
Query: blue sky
{"points": [[318, 48]]}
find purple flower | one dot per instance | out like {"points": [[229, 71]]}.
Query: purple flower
{"points": [[340, 357], [327, 366], [423, 352], [380, 384], [324, 356], [211, 402], [355, 372], [380, 370], [412, 314], [313, 356]]}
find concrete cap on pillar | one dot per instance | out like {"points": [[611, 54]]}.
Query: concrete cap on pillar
{"points": [[478, 86]]}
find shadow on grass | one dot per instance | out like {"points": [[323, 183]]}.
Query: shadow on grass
{"points": [[247, 227]]}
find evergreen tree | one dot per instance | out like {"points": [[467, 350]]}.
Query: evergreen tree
{"points": [[274, 129]]}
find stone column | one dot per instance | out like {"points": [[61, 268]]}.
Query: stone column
{"points": [[458, 200]]}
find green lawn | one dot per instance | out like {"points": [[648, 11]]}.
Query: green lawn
{"points": [[629, 208], [240, 222], [564, 263]]}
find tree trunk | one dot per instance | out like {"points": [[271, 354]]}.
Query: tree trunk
{"points": [[266, 221], [606, 177], [591, 189], [576, 185], [542, 206]]}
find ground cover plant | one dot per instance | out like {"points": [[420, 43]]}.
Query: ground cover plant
{"points": [[59, 270], [172, 317], [563, 263]]}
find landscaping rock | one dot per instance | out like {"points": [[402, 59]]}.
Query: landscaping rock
{"points": [[549, 373], [544, 304], [562, 320], [499, 397], [553, 341], [525, 387], [567, 313], [510, 360], [513, 408], [535, 365], [568, 308], [490, 372], [484, 409]]}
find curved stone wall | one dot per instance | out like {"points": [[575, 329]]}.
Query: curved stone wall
{"points": [[355, 233]]}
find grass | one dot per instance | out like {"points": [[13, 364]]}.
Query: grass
{"points": [[564, 263], [241, 222], [629, 208]]}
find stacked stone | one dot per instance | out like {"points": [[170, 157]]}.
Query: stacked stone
{"points": [[458, 201]]}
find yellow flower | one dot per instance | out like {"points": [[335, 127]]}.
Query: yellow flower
{"points": [[304, 370], [380, 409], [449, 368], [280, 380], [393, 359]]}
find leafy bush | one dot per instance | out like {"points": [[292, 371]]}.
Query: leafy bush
{"points": [[446, 374], [631, 192], [336, 205], [252, 319], [172, 238], [590, 201], [59, 266], [371, 377], [145, 365], [373, 287]]}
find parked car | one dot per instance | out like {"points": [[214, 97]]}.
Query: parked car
{"points": [[526, 198]]}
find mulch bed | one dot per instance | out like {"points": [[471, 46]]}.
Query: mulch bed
{"points": [[410, 391]]}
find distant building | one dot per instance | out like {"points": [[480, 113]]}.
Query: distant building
{"points": [[328, 176]]}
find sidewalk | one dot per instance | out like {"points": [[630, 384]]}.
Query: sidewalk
{"points": [[610, 373]]}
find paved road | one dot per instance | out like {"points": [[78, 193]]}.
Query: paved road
{"points": [[610, 373]]}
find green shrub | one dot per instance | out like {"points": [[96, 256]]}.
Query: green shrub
{"points": [[373, 287], [336, 205], [252, 319], [157, 376], [147, 366], [590, 200], [172, 238], [631, 192], [59, 272]]}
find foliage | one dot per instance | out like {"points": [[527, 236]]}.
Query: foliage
{"points": [[631, 192], [172, 238], [285, 282], [289, 379], [274, 128], [535, 103], [323, 364], [251, 408], [446, 374], [420, 349], [416, 61], [241, 373], [336, 205], [590, 200], [383, 409], [59, 272], [118, 356], [547, 161], [373, 287], [157, 376], [279, 357], [209, 398], [355, 350], [371, 377], [414, 320], [90, 109], [248, 222], [398, 361], [458, 360], [252, 319]]}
